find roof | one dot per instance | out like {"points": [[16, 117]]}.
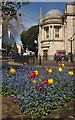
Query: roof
{"points": [[54, 13]]}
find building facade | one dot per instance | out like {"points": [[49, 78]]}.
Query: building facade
{"points": [[9, 40], [56, 30], [19, 47]]}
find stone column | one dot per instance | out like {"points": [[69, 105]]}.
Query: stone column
{"points": [[52, 32], [66, 39], [39, 40], [49, 33], [60, 32], [43, 34]]}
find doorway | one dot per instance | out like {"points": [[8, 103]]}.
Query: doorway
{"points": [[45, 54]]}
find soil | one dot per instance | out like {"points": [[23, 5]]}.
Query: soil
{"points": [[11, 111]]}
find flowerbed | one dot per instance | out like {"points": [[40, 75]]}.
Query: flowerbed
{"points": [[38, 90]]}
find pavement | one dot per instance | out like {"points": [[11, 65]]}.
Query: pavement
{"points": [[11, 61]]}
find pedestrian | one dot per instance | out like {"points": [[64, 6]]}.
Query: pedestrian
{"points": [[60, 56], [57, 57]]}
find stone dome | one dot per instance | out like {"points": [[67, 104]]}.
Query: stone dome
{"points": [[54, 13]]}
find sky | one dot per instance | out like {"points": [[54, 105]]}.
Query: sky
{"points": [[50, 0], [30, 12]]}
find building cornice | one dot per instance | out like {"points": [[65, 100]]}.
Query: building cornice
{"points": [[45, 46], [51, 22], [48, 18], [53, 40], [69, 14], [70, 3]]}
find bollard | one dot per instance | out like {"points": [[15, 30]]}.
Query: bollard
{"points": [[33, 60], [27, 59], [39, 60]]}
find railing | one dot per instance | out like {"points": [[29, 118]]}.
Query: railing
{"points": [[24, 59], [41, 60]]}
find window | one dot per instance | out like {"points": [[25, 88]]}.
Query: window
{"points": [[56, 32], [47, 32]]}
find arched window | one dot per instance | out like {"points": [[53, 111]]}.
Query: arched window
{"points": [[47, 32], [56, 31]]}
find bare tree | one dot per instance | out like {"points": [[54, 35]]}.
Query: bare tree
{"points": [[11, 17]]}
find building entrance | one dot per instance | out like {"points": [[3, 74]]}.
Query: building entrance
{"points": [[45, 54]]}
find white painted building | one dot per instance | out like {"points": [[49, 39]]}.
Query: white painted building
{"points": [[55, 30], [19, 47]]}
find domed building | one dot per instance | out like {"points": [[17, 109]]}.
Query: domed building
{"points": [[55, 30]]}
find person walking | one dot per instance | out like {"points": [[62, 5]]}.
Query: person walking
{"points": [[57, 57], [60, 56]]}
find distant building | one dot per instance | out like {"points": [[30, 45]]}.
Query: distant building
{"points": [[7, 38], [19, 47], [54, 31]]}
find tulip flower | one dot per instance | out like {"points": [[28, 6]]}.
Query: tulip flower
{"points": [[71, 73], [41, 85], [49, 71], [50, 81], [63, 65], [12, 70], [34, 81], [60, 69], [36, 72], [32, 75], [59, 63], [45, 80]]}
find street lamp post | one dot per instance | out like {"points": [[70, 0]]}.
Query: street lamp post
{"points": [[35, 41], [27, 51], [71, 40]]}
